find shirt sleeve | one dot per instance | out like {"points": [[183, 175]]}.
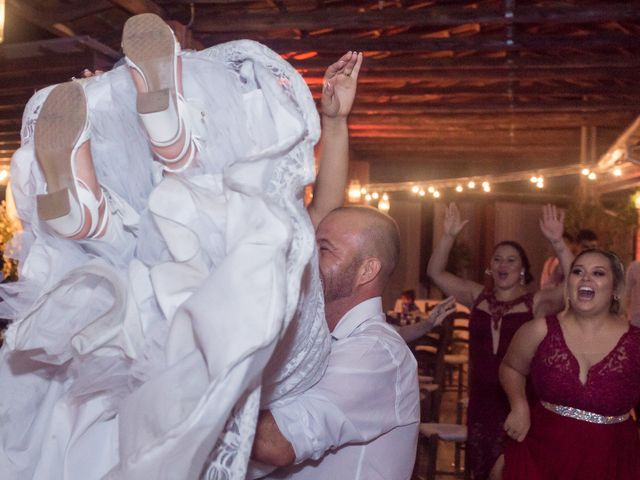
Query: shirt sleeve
{"points": [[369, 388]]}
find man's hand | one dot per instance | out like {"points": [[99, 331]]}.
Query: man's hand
{"points": [[339, 85]]}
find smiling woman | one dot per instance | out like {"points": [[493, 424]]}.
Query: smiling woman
{"points": [[496, 314], [585, 368]]}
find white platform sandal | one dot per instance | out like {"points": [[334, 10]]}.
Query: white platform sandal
{"points": [[151, 49], [62, 127]]}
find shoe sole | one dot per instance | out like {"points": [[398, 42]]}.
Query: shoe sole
{"points": [[149, 43], [60, 123]]}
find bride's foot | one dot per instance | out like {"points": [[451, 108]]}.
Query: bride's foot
{"points": [[152, 54], [74, 205]]}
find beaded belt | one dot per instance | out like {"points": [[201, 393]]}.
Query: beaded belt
{"points": [[584, 415]]}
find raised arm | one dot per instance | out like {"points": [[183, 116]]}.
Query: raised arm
{"points": [[465, 291], [410, 333], [338, 94], [551, 300], [513, 375]]}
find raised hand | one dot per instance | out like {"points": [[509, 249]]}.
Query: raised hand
{"points": [[452, 221], [552, 223], [441, 311], [339, 85]]}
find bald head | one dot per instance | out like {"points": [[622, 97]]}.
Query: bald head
{"points": [[376, 233]]}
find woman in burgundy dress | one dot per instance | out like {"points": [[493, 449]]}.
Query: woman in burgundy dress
{"points": [[496, 314], [585, 368]]}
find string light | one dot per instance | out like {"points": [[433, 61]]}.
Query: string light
{"points": [[363, 191], [384, 203], [486, 182], [354, 192], [367, 197]]}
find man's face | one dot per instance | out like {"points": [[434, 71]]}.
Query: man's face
{"points": [[339, 257]]}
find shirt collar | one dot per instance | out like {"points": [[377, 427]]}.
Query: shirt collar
{"points": [[364, 311]]}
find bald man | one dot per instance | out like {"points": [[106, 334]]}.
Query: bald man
{"points": [[360, 421]]}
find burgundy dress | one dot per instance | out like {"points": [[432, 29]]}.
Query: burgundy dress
{"points": [[488, 404], [558, 447]]}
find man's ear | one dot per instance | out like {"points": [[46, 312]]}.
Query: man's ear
{"points": [[369, 270]]}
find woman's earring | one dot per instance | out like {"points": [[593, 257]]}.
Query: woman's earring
{"points": [[488, 272], [522, 277]]}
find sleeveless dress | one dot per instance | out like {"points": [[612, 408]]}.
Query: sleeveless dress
{"points": [[558, 447], [488, 404], [149, 355]]}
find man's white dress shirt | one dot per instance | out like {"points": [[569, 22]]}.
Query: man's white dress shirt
{"points": [[360, 421]]}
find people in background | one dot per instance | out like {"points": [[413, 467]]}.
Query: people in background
{"points": [[586, 239], [552, 275], [408, 302], [632, 293], [496, 313], [585, 367]]}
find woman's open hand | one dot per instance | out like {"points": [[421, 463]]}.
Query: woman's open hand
{"points": [[452, 221]]}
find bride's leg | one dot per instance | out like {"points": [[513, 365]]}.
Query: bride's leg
{"points": [[152, 55], [74, 205]]}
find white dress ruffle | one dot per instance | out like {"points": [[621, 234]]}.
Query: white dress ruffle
{"points": [[135, 355]]}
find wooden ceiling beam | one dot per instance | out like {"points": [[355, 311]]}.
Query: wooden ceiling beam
{"points": [[494, 89], [135, 7], [417, 44], [429, 108], [424, 63], [503, 120], [42, 16], [435, 16], [523, 74]]}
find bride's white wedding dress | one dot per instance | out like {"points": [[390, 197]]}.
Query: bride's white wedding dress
{"points": [[147, 354]]}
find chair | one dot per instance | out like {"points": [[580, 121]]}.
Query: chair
{"points": [[432, 431], [458, 358]]}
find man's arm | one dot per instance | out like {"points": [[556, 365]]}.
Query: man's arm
{"points": [[338, 94], [269, 445], [382, 394]]}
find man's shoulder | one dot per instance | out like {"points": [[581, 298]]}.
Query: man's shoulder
{"points": [[373, 339]]}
